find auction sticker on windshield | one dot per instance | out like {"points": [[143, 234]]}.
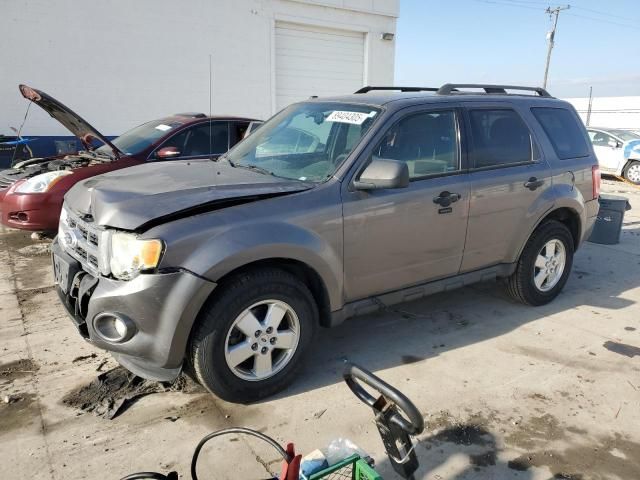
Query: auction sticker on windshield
{"points": [[356, 118]]}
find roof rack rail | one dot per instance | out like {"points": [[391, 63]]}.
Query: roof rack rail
{"points": [[400, 89], [449, 88]]}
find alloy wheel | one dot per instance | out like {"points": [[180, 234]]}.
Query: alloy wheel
{"points": [[633, 173], [262, 340], [549, 265]]}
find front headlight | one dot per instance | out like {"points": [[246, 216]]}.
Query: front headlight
{"points": [[131, 255], [43, 182]]}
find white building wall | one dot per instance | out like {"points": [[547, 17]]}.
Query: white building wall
{"points": [[610, 112], [119, 63]]}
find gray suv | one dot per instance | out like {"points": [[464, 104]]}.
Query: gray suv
{"points": [[331, 209]]}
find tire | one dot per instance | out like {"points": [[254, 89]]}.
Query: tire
{"points": [[632, 172], [219, 340], [521, 285]]}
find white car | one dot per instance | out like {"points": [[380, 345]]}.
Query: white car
{"points": [[618, 152]]}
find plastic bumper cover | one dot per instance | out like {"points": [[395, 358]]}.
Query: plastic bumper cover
{"points": [[162, 306]]}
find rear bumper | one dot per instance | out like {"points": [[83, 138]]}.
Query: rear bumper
{"points": [[30, 211], [161, 306], [591, 214]]}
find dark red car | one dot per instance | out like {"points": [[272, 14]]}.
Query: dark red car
{"points": [[31, 192]]}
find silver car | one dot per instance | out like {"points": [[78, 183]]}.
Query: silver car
{"points": [[333, 208], [618, 152]]}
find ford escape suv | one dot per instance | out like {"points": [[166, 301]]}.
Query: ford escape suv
{"points": [[331, 209]]}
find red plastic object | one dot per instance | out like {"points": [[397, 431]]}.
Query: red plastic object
{"points": [[291, 469]]}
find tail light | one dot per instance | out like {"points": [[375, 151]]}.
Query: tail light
{"points": [[595, 180]]}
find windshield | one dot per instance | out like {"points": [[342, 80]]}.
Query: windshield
{"points": [[624, 135], [138, 138], [305, 141]]}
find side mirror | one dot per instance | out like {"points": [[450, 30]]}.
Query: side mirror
{"points": [[382, 173], [614, 143], [167, 152]]}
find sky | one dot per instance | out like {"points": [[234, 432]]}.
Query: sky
{"points": [[597, 44]]}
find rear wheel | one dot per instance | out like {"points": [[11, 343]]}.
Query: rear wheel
{"points": [[544, 266], [250, 339], [632, 172]]}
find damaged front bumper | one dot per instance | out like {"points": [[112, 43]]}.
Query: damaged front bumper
{"points": [[157, 311]]}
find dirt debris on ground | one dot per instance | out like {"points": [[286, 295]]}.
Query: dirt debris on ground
{"points": [[82, 358], [17, 369], [35, 249], [114, 391], [21, 411], [569, 452]]}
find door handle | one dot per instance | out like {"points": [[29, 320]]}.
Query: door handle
{"points": [[533, 183], [446, 198]]}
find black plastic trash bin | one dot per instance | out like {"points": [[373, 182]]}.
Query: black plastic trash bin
{"points": [[609, 222]]}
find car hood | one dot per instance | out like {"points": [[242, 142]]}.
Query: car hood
{"points": [[67, 117], [140, 197]]}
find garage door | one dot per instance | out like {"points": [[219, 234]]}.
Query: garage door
{"points": [[316, 61]]}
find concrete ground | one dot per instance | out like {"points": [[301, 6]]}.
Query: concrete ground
{"points": [[507, 391]]}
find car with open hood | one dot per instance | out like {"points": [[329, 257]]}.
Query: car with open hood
{"points": [[333, 208], [618, 152], [32, 191]]}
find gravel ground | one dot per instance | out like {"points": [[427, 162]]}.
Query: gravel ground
{"points": [[507, 391]]}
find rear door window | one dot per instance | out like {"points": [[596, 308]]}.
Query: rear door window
{"points": [[500, 138], [563, 130]]}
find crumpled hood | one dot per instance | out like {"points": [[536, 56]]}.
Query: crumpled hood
{"points": [[135, 197]]}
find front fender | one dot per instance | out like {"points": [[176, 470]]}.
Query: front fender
{"points": [[245, 244]]}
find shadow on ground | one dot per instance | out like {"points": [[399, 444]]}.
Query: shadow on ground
{"points": [[419, 330]]}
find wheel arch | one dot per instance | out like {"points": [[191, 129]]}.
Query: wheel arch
{"points": [[299, 269], [566, 215]]}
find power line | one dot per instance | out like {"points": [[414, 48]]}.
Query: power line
{"points": [[602, 20], [605, 14], [555, 12]]}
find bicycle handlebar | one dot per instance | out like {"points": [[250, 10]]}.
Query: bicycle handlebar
{"points": [[353, 374]]}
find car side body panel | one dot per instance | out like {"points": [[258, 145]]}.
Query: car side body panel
{"points": [[304, 227]]}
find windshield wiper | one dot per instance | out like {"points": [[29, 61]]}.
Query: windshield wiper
{"points": [[255, 168]]}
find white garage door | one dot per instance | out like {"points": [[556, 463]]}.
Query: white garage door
{"points": [[316, 61]]}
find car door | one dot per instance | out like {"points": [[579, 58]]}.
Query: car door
{"points": [[396, 238], [608, 150], [509, 179], [208, 139]]}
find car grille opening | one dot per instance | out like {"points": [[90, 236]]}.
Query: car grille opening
{"points": [[82, 241]]}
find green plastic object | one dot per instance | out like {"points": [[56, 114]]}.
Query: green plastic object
{"points": [[352, 468]]}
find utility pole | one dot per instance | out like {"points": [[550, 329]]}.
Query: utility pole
{"points": [[590, 104], [555, 12]]}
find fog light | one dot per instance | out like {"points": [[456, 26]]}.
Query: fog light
{"points": [[19, 216], [114, 327]]}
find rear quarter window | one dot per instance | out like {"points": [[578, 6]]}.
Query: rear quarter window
{"points": [[563, 130]]}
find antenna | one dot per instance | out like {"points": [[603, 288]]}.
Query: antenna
{"points": [[210, 105]]}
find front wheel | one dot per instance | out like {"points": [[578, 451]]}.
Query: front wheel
{"points": [[544, 266], [632, 172], [251, 337]]}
